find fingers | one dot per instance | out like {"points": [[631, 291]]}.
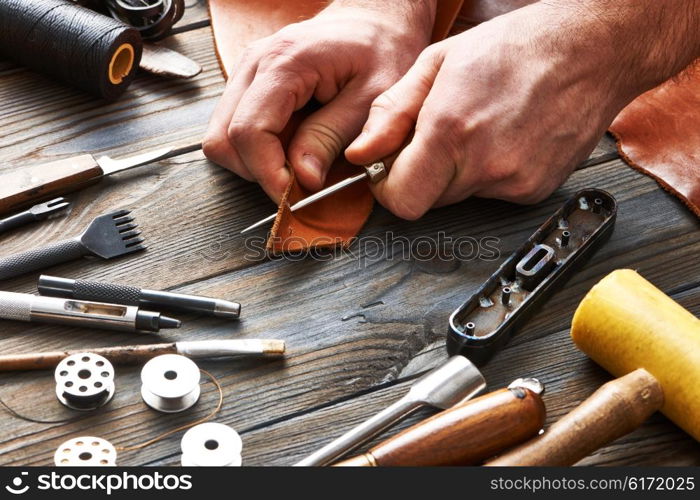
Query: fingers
{"points": [[394, 113], [321, 137], [418, 177], [262, 113], [215, 144]]}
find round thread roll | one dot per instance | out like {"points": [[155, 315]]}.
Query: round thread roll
{"points": [[71, 43]]}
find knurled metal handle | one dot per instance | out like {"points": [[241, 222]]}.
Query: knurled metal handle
{"points": [[106, 292], [40, 258]]}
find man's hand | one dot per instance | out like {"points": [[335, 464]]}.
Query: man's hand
{"points": [[508, 109], [344, 57]]}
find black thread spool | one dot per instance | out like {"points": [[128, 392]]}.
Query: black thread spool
{"points": [[71, 43]]}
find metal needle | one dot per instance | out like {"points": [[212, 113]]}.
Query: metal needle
{"points": [[374, 173]]}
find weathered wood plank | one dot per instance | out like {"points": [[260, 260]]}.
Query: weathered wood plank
{"points": [[303, 302]]}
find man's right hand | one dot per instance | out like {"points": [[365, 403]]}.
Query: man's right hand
{"points": [[344, 57]]}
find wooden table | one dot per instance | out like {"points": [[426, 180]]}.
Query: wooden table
{"points": [[336, 373]]}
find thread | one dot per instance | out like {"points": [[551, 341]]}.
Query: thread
{"points": [[77, 46]]}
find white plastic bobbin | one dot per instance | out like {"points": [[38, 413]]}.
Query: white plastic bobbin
{"points": [[86, 451], [170, 383], [84, 381], [211, 445]]}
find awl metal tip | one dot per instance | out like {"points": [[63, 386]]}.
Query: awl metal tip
{"points": [[259, 223]]}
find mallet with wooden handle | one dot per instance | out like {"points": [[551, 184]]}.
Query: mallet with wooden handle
{"points": [[641, 335], [617, 408], [465, 434]]}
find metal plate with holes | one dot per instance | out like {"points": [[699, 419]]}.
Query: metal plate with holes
{"points": [[480, 326], [84, 381], [211, 445], [170, 383], [86, 451]]}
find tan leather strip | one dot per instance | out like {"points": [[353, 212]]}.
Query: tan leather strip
{"points": [[659, 135]]}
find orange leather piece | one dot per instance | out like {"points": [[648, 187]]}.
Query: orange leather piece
{"points": [[334, 220], [659, 134]]}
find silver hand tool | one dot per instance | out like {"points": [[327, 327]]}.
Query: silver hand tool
{"points": [[455, 381], [136, 354], [108, 236], [134, 296], [374, 173], [44, 181], [27, 307], [38, 212]]}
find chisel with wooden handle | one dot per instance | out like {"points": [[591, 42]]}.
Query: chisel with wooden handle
{"points": [[617, 408], [465, 434], [27, 185]]}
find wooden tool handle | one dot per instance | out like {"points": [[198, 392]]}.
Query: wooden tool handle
{"points": [[463, 435], [25, 186], [124, 355], [614, 410]]}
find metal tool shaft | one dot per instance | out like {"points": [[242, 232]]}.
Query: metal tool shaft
{"points": [[131, 295], [374, 173], [455, 381], [27, 307], [135, 354], [362, 433]]}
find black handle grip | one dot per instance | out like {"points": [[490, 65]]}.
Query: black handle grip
{"points": [[17, 220], [40, 258], [106, 292]]}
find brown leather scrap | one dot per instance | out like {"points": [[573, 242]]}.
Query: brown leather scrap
{"points": [[335, 220], [659, 135]]}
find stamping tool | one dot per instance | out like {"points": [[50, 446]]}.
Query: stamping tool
{"points": [[108, 236], [38, 212], [134, 296], [35, 308]]}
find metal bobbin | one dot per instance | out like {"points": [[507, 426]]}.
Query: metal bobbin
{"points": [[84, 381], [86, 451], [211, 445], [170, 383]]}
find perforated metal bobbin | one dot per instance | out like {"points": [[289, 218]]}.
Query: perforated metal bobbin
{"points": [[84, 381], [170, 383], [211, 445], [86, 451]]}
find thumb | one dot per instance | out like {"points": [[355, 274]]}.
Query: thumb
{"points": [[323, 135], [394, 113]]}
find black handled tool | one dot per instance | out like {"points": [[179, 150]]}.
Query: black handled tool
{"points": [[41, 211], [108, 236], [134, 296], [480, 326]]}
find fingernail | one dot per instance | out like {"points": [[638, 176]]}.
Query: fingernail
{"points": [[312, 164], [359, 140]]}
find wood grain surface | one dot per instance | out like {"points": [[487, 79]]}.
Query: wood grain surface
{"points": [[338, 371]]}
